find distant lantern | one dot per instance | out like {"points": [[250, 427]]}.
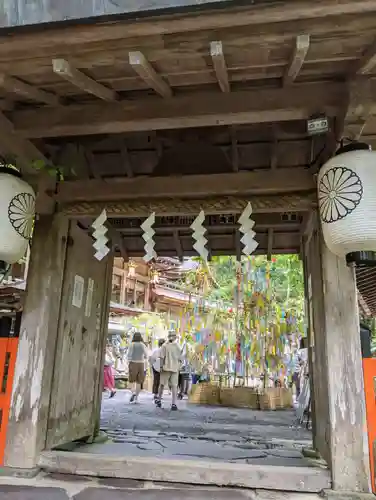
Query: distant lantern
{"points": [[17, 212], [347, 201]]}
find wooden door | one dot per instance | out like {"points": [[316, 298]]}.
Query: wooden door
{"points": [[80, 342]]}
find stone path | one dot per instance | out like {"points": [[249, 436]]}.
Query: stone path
{"points": [[200, 433], [66, 487]]}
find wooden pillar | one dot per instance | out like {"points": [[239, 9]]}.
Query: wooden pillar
{"points": [[27, 425], [309, 320], [340, 430], [123, 290]]}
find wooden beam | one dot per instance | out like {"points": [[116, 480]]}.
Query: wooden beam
{"points": [[367, 62], [147, 73], [136, 231], [274, 155], [197, 110], [219, 64], [181, 206], [167, 225], [297, 59], [126, 162], [16, 86], [67, 71], [322, 14], [284, 180], [234, 150]]}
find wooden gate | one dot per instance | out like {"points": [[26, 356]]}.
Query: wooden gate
{"points": [[76, 392]]}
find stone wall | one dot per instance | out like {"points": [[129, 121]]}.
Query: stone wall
{"points": [[28, 12]]}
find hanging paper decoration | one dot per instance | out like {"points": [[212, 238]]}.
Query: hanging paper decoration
{"points": [[148, 236], [246, 225], [99, 235], [198, 235]]}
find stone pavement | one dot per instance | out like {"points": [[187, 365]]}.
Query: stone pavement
{"points": [[198, 432], [65, 487]]}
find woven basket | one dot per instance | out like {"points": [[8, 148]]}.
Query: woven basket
{"points": [[239, 397], [204, 394], [275, 398]]}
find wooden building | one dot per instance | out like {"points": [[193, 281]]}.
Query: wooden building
{"points": [[139, 287], [202, 106]]}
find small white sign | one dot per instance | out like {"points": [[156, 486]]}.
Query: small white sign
{"points": [[317, 126], [78, 291], [89, 297]]}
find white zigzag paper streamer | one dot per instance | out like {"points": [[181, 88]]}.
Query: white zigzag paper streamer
{"points": [[246, 227], [198, 235], [101, 240], [148, 236]]}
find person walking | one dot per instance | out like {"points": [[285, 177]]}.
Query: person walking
{"points": [[137, 354], [184, 373], [108, 376], [155, 363], [170, 358], [296, 376]]}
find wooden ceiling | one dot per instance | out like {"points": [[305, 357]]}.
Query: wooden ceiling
{"points": [[214, 93]]}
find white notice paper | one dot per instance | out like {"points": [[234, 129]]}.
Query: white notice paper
{"points": [[78, 291], [89, 297]]}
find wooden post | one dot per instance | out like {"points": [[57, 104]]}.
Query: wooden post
{"points": [[340, 431], [36, 352], [310, 332], [105, 313]]}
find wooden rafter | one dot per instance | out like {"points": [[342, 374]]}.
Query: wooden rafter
{"points": [[297, 59], [73, 154], [219, 64], [16, 86], [146, 71], [67, 71], [198, 110], [284, 180]]}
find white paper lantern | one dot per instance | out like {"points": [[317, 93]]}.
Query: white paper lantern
{"points": [[347, 201], [17, 211]]}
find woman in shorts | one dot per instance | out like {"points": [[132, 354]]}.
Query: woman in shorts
{"points": [[137, 354]]}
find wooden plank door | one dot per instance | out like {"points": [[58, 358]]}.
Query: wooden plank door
{"points": [[80, 342]]}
